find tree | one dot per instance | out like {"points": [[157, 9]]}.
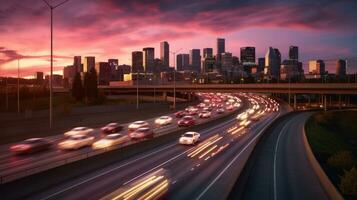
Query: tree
{"points": [[341, 160], [90, 85], [77, 88], [348, 183], [86, 86]]}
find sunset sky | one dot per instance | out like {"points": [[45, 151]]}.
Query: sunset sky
{"points": [[323, 29]]}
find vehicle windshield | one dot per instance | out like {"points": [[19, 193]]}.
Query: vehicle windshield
{"points": [[112, 124], [188, 135], [187, 118], [79, 129], [113, 136], [31, 141], [140, 122]]}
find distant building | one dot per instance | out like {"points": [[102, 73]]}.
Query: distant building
{"points": [[114, 73], [207, 53], [77, 63], [57, 80], [208, 65], [89, 63], [149, 57], [272, 63], [316, 67], [294, 53], [38, 78], [289, 70], [158, 66], [104, 73], [227, 61], [165, 53], [261, 65], [341, 68], [195, 60], [137, 61], [125, 69], [247, 55], [69, 73], [235, 61], [182, 62], [221, 48]]}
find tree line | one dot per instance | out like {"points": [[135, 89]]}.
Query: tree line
{"points": [[86, 90]]}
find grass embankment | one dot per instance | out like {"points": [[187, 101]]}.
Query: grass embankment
{"points": [[333, 139]]}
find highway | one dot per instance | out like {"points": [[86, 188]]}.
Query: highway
{"points": [[173, 171], [278, 168]]}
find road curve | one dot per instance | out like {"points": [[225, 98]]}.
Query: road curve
{"points": [[279, 168]]}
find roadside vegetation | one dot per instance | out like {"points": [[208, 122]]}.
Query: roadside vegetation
{"points": [[333, 139]]}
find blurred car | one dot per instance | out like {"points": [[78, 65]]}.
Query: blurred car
{"points": [[186, 121], [141, 133], [180, 114], [110, 140], [189, 138], [138, 124], [208, 108], [31, 145], [229, 107], [192, 110], [242, 116], [76, 142], [163, 120], [112, 128], [78, 131], [204, 114], [275, 109], [220, 111], [201, 105]]}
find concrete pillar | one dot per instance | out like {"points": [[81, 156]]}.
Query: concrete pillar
{"points": [[294, 101]]}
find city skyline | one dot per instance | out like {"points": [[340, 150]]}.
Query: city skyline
{"points": [[322, 34]]}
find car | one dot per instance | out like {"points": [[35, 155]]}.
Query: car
{"points": [[189, 138], [141, 133], [229, 107], [242, 116], [191, 110], [31, 145], [110, 140], [111, 128], [201, 105], [208, 108], [163, 120], [180, 114], [78, 131], [76, 142], [186, 121], [138, 124], [220, 110], [205, 114]]}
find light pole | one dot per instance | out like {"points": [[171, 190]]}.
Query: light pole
{"points": [[18, 85], [51, 73], [174, 54]]}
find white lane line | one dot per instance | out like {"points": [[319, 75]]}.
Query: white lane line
{"points": [[232, 161], [130, 162], [275, 158]]}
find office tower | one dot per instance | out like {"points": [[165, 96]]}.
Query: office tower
{"points": [[113, 64], [137, 62], [272, 63], [247, 55], [182, 62], [149, 57], [227, 61], [207, 53], [165, 53], [316, 67], [89, 63], [125, 69], [289, 69], [195, 60], [261, 65], [208, 65], [77, 63], [294, 53], [341, 68], [235, 61], [38, 77], [221, 48], [114, 72], [104, 73]]}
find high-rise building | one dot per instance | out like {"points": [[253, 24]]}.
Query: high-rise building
{"points": [[89, 63], [115, 74], [165, 53], [272, 63], [294, 53], [221, 48], [182, 62], [316, 67], [289, 70], [113, 64], [227, 61], [208, 65], [195, 60], [207, 53], [261, 65], [77, 63], [149, 57], [247, 55], [341, 68], [137, 62], [38, 77], [104, 73]]}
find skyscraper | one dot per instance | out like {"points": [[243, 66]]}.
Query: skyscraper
{"points": [[165, 53], [207, 53], [195, 60], [247, 55], [77, 63], [114, 71], [89, 63], [227, 61], [316, 67], [261, 64], [182, 61], [104, 73], [341, 68], [137, 61], [221, 48], [294, 53], [272, 63], [149, 57]]}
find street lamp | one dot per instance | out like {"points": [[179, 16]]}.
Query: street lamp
{"points": [[51, 7], [174, 54], [18, 85]]}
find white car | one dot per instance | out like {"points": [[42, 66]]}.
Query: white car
{"points": [[163, 120], [204, 114], [189, 138], [110, 140], [76, 142], [242, 116], [78, 131], [138, 124]]}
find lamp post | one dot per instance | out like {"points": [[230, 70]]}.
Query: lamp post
{"points": [[18, 85], [174, 54], [51, 7]]}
